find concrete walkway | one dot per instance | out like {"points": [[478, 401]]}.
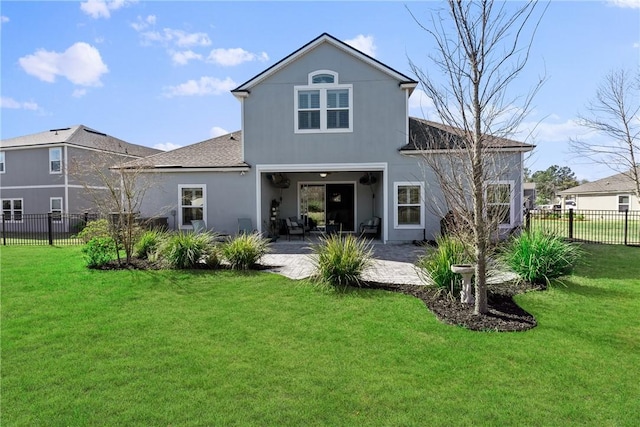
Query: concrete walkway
{"points": [[393, 263]]}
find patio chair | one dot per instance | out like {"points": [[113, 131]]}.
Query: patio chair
{"points": [[199, 226], [244, 226], [293, 228], [370, 227]]}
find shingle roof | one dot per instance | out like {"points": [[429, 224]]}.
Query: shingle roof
{"points": [[619, 183], [81, 136], [428, 135], [221, 152]]}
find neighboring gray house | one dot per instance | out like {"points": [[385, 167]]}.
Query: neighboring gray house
{"points": [[35, 175], [614, 193], [326, 137]]}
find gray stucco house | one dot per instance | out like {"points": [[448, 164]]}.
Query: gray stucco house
{"points": [[35, 172], [615, 193], [326, 138]]}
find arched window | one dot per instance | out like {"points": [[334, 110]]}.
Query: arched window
{"points": [[323, 105]]}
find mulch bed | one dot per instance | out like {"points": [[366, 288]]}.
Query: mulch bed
{"points": [[504, 314]]}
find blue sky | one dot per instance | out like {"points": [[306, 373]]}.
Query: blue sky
{"points": [[159, 73]]}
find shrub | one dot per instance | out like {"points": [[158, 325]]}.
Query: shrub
{"points": [[186, 250], [436, 264], [339, 261], [99, 251], [244, 251], [148, 244], [538, 257], [97, 228]]}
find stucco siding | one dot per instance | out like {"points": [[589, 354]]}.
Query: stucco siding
{"points": [[603, 201], [28, 167], [229, 196]]}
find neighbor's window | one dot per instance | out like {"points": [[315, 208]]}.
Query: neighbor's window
{"points": [[623, 203], [499, 203], [55, 160], [55, 207], [323, 105], [12, 210], [192, 204], [409, 212], [1, 161]]}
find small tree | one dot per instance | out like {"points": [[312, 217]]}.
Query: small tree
{"points": [[615, 114], [116, 191], [481, 48]]}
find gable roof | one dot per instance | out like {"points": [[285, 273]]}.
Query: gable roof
{"points": [[80, 136], [323, 38], [619, 183], [428, 135], [222, 152]]}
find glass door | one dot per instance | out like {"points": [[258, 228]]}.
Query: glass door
{"points": [[312, 205]]}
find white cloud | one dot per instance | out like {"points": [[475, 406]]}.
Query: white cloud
{"points": [[6, 102], [204, 86], [166, 146], [546, 131], [4, 19], [79, 93], [176, 37], [364, 44], [142, 24], [632, 4], [235, 56], [420, 104], [102, 8], [217, 131], [81, 64], [182, 58]]}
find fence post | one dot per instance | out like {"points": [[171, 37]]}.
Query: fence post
{"points": [[4, 234], [571, 224], [626, 226], [50, 228], [527, 220]]}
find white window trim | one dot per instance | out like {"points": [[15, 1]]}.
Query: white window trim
{"points": [[51, 210], [182, 226], [51, 150], [512, 200], [12, 209], [322, 88], [2, 161], [398, 226], [628, 196]]}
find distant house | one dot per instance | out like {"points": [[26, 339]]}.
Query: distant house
{"points": [[35, 175], [326, 138], [616, 193]]}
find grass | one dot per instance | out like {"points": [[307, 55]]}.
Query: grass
{"points": [[184, 348], [592, 227]]}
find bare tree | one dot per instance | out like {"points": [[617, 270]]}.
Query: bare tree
{"points": [[481, 49], [615, 114], [116, 189]]}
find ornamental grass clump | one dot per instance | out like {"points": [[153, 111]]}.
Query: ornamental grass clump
{"points": [[436, 263], [186, 250], [148, 244], [244, 251], [339, 261], [538, 257]]}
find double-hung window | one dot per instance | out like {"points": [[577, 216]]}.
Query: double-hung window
{"points": [[623, 203], [323, 105], [409, 211], [55, 160], [12, 210], [192, 204], [1, 161], [55, 207], [499, 197]]}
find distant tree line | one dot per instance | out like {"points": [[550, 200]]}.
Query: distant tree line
{"points": [[551, 181]]}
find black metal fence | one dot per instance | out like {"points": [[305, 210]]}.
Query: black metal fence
{"points": [[44, 229], [593, 226]]}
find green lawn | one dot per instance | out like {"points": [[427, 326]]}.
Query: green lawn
{"points": [[592, 226], [199, 348]]}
